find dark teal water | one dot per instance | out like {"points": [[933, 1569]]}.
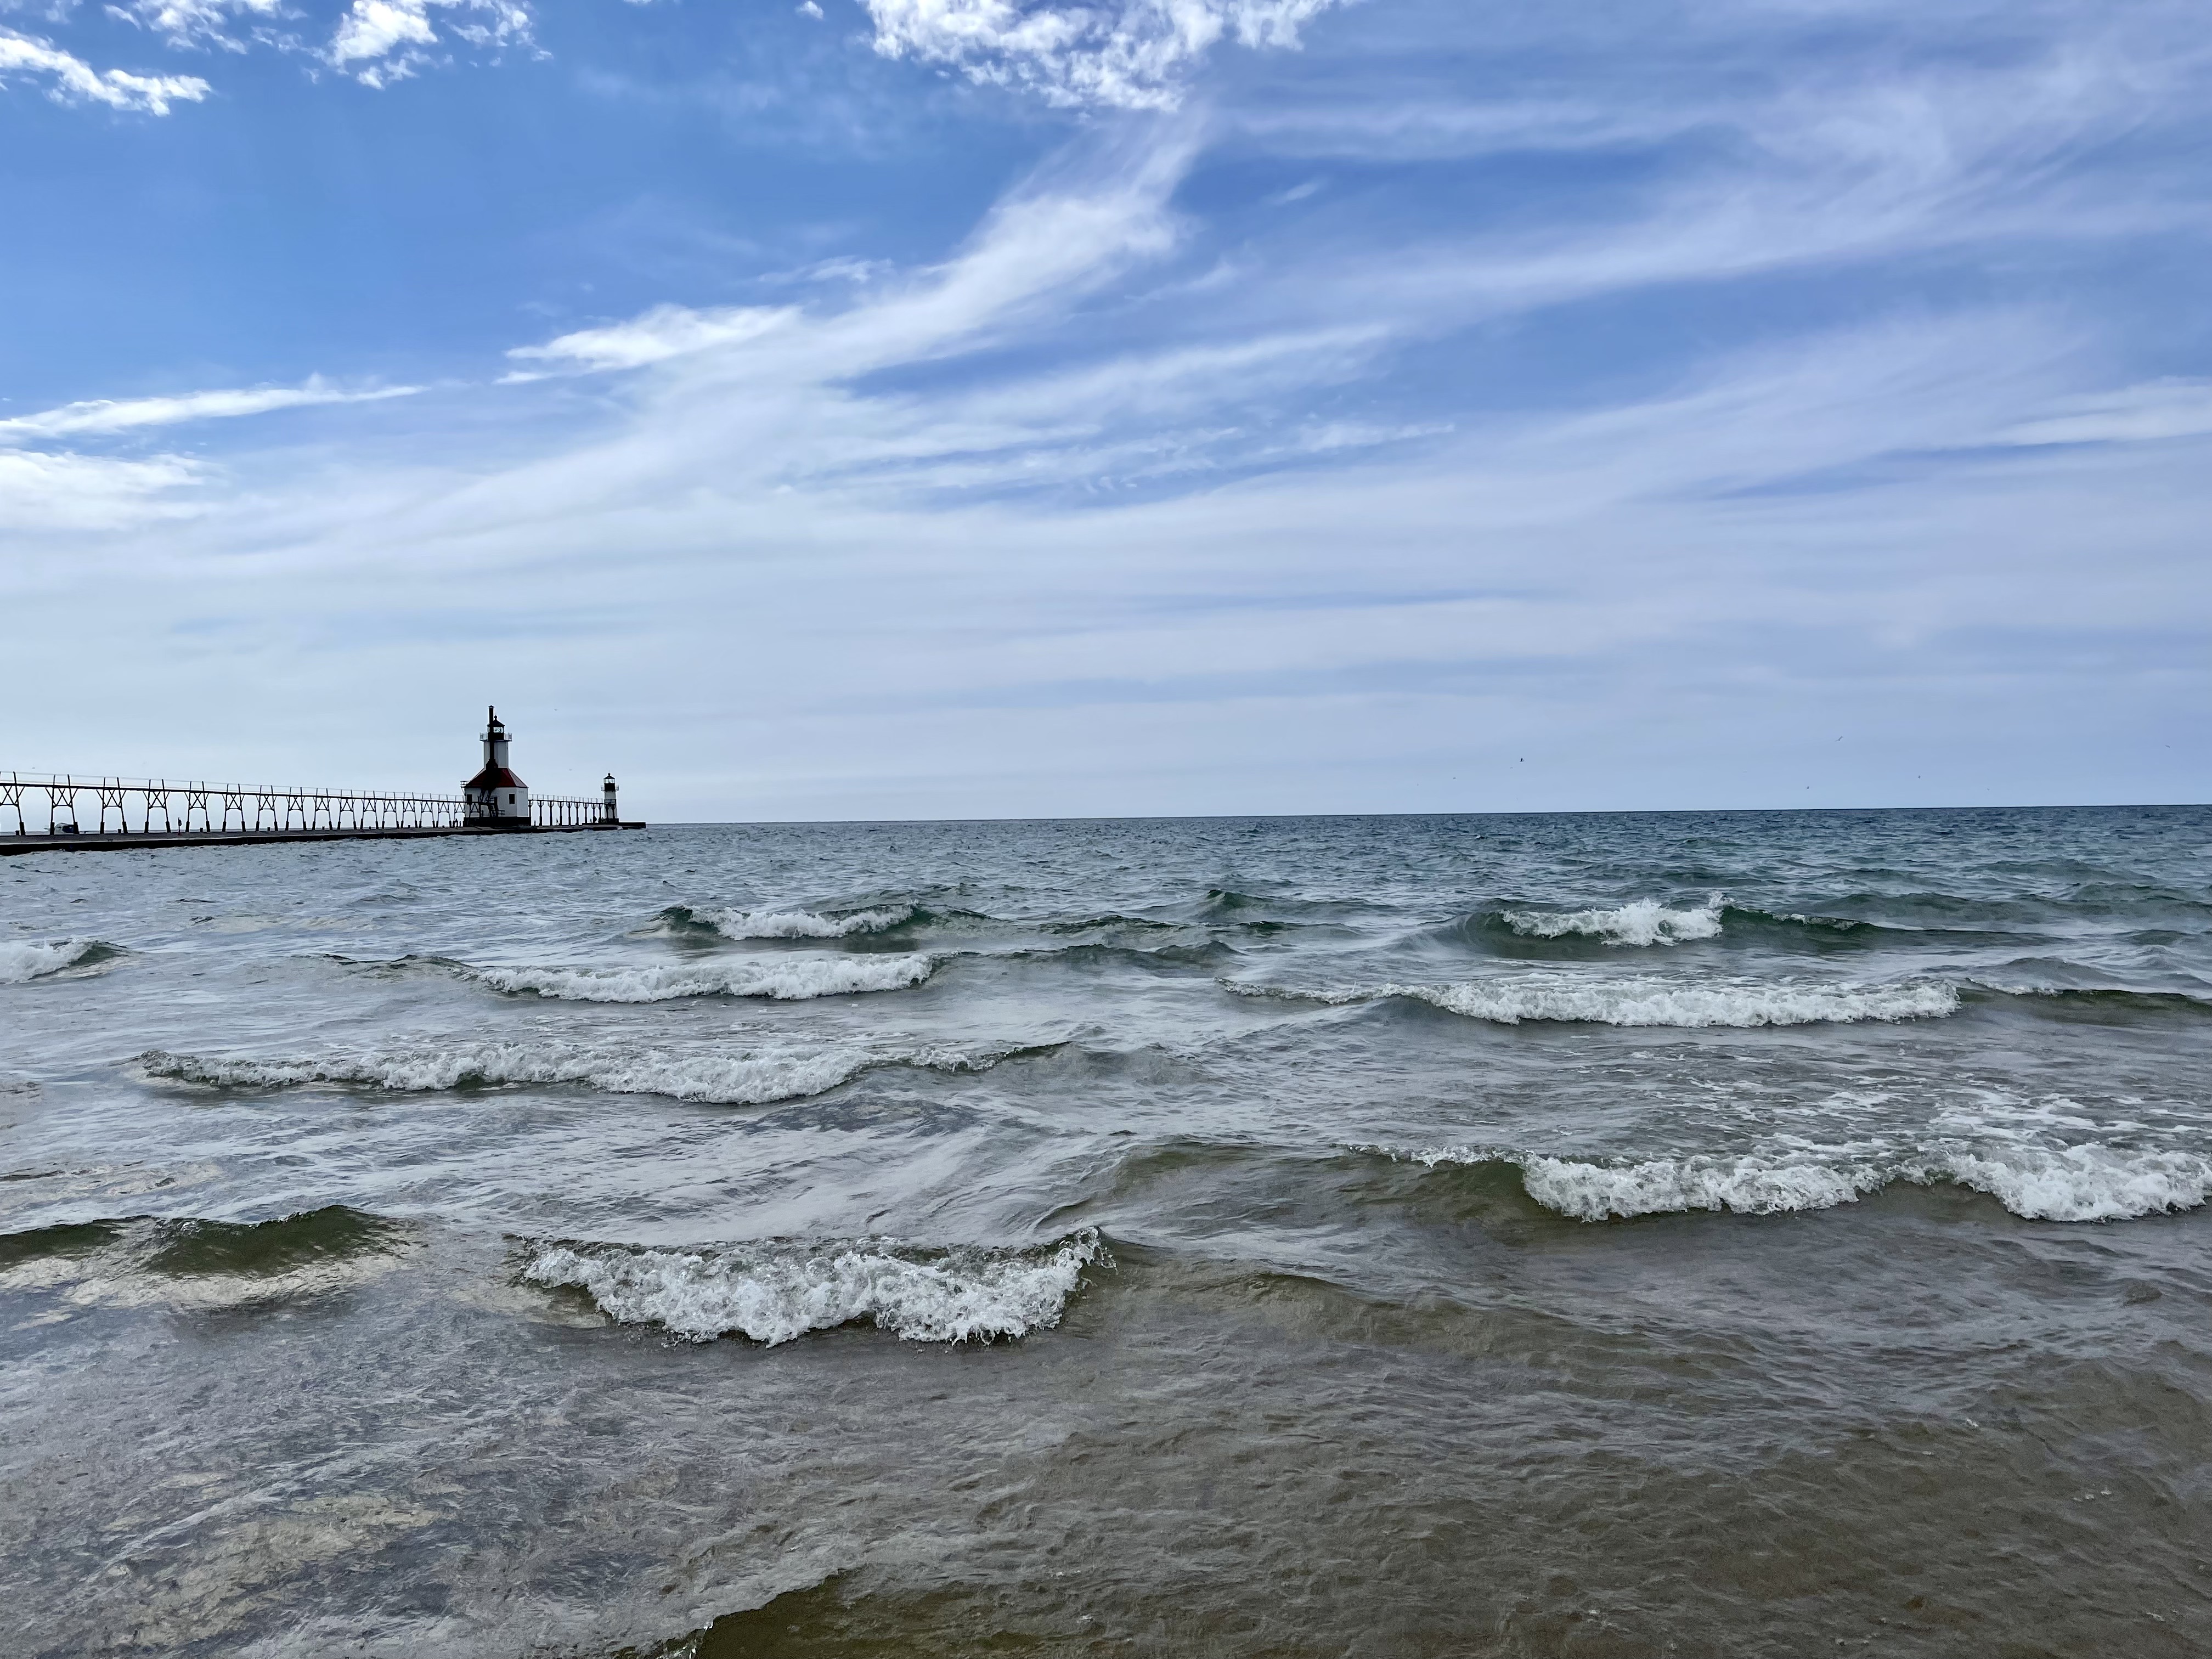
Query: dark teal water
{"points": [[1744, 1233]]}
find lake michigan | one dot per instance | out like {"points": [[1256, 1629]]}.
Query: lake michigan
{"points": [[1700, 1233]]}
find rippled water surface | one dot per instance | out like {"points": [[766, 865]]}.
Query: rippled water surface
{"points": [[1739, 1233]]}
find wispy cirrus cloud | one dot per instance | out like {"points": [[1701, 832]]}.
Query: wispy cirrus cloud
{"points": [[70, 80], [2138, 414], [665, 332], [100, 415], [79, 493], [1856, 172]]}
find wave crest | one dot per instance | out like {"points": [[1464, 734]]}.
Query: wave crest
{"points": [[794, 978], [204, 1264], [748, 1076], [774, 1293], [2083, 1184], [2087, 1182], [1640, 921], [1594, 1191], [803, 924], [1508, 1000], [24, 960]]}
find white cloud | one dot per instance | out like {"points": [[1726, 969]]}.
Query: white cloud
{"points": [[200, 21], [2140, 414], [1047, 243], [375, 41], [381, 41], [89, 492], [1132, 54], [663, 332], [103, 415], [74, 80]]}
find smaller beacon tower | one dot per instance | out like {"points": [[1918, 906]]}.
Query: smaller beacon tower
{"points": [[612, 816], [496, 796]]}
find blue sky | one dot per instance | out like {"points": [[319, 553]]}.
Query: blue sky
{"points": [[968, 408]]}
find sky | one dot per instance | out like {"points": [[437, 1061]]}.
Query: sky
{"points": [[924, 408]]}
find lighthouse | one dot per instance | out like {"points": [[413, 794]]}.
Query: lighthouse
{"points": [[495, 797]]}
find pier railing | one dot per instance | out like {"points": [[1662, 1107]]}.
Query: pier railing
{"points": [[33, 805]]}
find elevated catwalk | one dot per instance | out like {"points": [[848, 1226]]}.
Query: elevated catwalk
{"points": [[46, 813]]}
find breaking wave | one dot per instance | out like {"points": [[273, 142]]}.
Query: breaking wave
{"points": [[775, 1292], [799, 924], [1508, 1000], [2090, 1182], [24, 960], [745, 1077], [1640, 921], [794, 978]]}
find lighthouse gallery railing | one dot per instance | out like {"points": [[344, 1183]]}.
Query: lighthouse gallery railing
{"points": [[216, 808]]}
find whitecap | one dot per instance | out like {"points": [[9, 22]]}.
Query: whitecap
{"points": [[785, 978], [1592, 1192], [2086, 1183], [2089, 1182], [24, 960], [1660, 1002], [1640, 921], [1508, 1000], [803, 924], [775, 1292]]}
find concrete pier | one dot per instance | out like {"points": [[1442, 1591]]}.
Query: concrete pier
{"points": [[124, 841]]}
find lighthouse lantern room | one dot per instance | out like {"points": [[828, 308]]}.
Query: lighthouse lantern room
{"points": [[496, 796]]}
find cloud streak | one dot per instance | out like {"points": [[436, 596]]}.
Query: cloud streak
{"points": [[90, 493], [101, 416], [70, 80], [653, 337]]}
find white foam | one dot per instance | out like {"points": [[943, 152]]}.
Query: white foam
{"points": [[786, 978], [2089, 1182], [2086, 1183], [802, 924], [1640, 921], [775, 1292], [24, 960], [744, 1077], [1592, 1192], [1510, 999]]}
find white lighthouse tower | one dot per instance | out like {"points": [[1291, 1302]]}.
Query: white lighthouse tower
{"points": [[496, 796]]}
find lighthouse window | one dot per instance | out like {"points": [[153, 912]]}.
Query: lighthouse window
{"points": [[510, 797]]}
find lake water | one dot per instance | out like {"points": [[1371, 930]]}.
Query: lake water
{"points": [[1757, 1233]]}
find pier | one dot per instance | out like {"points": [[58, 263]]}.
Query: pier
{"points": [[495, 802]]}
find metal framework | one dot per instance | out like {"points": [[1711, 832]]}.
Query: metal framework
{"points": [[233, 809]]}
